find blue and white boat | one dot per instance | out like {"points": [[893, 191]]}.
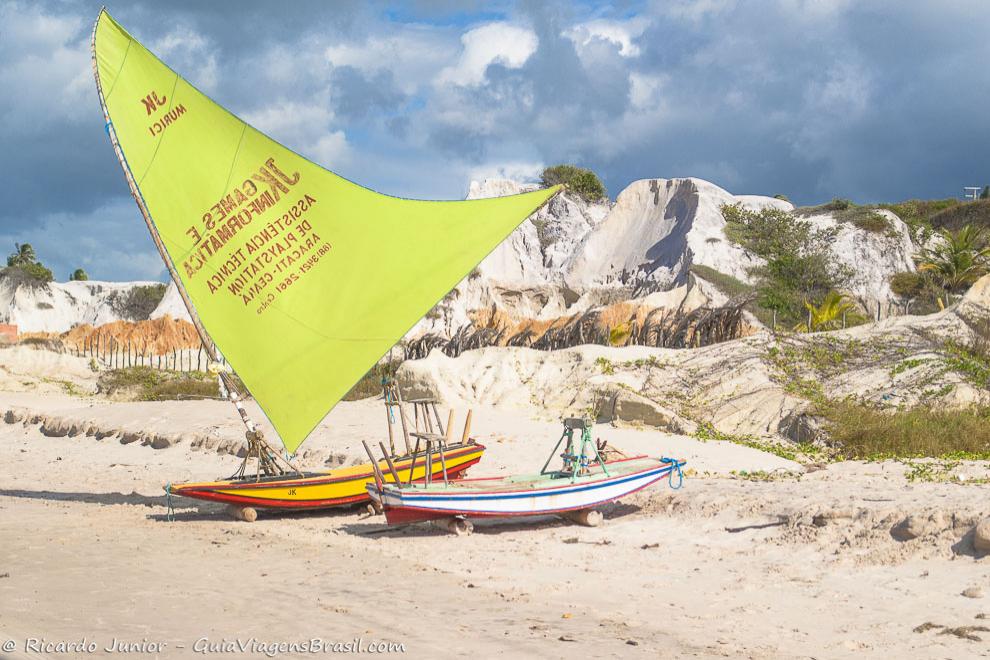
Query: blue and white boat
{"points": [[584, 482]]}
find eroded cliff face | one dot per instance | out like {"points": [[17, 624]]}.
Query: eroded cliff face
{"points": [[59, 306], [743, 386], [572, 256]]}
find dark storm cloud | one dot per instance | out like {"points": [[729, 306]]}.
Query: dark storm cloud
{"points": [[814, 99], [356, 95]]}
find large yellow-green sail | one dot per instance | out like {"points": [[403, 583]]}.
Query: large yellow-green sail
{"points": [[301, 278]]}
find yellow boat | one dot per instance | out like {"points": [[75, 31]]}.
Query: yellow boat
{"points": [[317, 490]]}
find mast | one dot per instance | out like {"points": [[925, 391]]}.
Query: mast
{"points": [[267, 456]]}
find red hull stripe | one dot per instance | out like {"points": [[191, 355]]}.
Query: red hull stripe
{"points": [[528, 492], [400, 514], [267, 503], [318, 481]]}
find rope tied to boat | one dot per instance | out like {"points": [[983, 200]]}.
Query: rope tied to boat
{"points": [[675, 465], [170, 515]]}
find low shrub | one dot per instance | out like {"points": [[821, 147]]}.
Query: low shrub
{"points": [[580, 181], [33, 274], [149, 384], [863, 431], [141, 301], [873, 222], [370, 384], [954, 218]]}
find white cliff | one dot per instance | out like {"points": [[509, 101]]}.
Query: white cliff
{"points": [[58, 306]]}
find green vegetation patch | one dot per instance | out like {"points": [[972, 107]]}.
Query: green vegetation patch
{"points": [[734, 288], [864, 431], [799, 265], [727, 284], [605, 365], [798, 452], [579, 181], [141, 301], [148, 384], [371, 383], [30, 274], [24, 268], [959, 215], [866, 217]]}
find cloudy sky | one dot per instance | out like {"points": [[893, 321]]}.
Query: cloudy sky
{"points": [[872, 100]]}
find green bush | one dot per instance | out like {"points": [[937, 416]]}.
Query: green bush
{"points": [[873, 222], [908, 284], [371, 383], [917, 214], [799, 264], [956, 217], [141, 301], [24, 268], [23, 255], [579, 181], [863, 431], [78, 275], [31, 274]]}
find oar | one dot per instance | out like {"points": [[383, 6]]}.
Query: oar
{"points": [[467, 428], [391, 466], [379, 478], [412, 468], [402, 418]]}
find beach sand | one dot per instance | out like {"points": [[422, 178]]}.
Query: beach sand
{"points": [[799, 564]]}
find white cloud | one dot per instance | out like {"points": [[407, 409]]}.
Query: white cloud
{"points": [[330, 150], [524, 171], [45, 68], [644, 89], [414, 54], [696, 10], [290, 121], [303, 127], [620, 33], [494, 43], [190, 54]]}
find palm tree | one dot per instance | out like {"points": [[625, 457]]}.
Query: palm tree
{"points": [[956, 259], [23, 255], [827, 315]]}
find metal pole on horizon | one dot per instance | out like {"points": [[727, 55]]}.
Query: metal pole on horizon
{"points": [[253, 433]]}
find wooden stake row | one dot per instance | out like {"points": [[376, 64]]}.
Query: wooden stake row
{"points": [[118, 355]]}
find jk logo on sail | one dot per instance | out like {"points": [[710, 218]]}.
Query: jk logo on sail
{"points": [[152, 102]]}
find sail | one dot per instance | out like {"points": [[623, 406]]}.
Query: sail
{"points": [[302, 278]]}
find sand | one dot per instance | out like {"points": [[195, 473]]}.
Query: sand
{"points": [[804, 565]]}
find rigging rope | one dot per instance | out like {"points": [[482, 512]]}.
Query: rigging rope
{"points": [[676, 465]]}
